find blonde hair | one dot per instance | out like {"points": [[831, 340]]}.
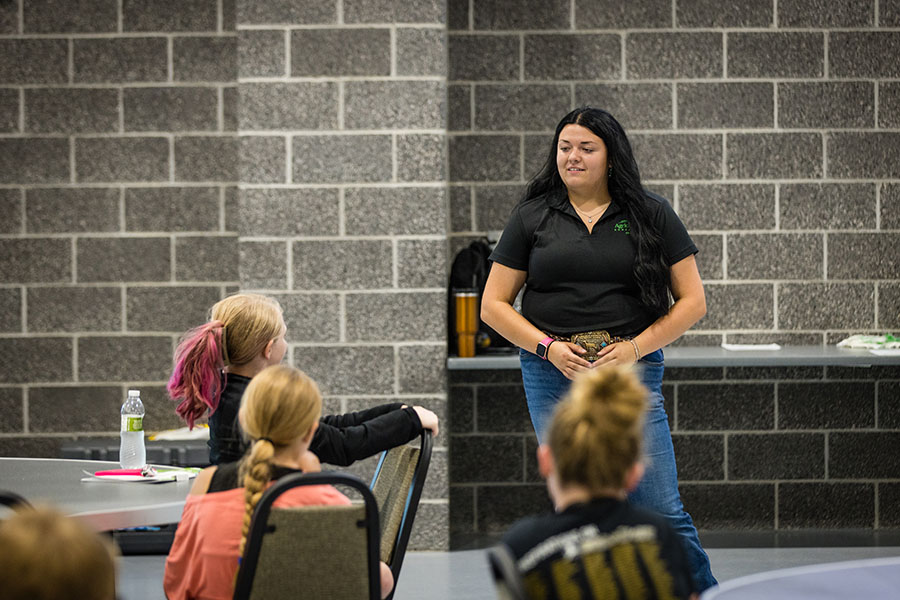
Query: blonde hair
{"points": [[597, 429], [281, 404], [239, 328], [46, 555], [250, 322]]}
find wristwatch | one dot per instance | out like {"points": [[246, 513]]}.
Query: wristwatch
{"points": [[543, 347]]}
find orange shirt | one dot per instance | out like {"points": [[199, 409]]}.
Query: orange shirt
{"points": [[204, 556]]}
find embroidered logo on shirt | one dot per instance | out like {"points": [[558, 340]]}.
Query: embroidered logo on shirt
{"points": [[623, 227]]}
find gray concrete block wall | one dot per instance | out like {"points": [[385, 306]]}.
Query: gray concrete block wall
{"points": [[771, 126], [342, 202], [155, 156], [117, 160], [757, 449]]}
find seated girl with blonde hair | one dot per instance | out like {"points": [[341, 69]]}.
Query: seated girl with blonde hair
{"points": [[215, 362], [280, 413], [596, 544]]}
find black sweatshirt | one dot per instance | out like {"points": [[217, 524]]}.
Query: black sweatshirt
{"points": [[340, 439]]}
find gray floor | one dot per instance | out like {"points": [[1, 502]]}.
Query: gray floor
{"points": [[463, 575]]}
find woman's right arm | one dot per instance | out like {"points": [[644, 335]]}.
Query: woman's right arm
{"points": [[500, 291]]}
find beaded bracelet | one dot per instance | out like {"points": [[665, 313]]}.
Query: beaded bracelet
{"points": [[637, 352]]}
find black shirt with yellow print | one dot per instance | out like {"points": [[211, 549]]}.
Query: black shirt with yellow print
{"points": [[605, 548]]}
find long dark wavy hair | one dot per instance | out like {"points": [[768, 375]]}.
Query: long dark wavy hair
{"points": [[650, 269]]}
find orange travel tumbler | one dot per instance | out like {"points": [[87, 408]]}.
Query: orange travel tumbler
{"points": [[466, 321]]}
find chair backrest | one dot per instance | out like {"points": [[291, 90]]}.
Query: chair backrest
{"points": [[12, 499], [507, 579], [312, 551], [397, 486]]}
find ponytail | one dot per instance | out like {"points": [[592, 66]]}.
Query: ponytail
{"points": [[251, 321], [196, 382]]}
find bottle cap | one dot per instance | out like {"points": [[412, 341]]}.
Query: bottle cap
{"points": [[134, 393]]}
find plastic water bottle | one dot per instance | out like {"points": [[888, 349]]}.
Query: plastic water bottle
{"points": [[132, 454]]}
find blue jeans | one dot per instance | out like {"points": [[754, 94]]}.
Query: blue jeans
{"points": [[658, 490]]}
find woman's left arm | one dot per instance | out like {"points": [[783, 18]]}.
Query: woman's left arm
{"points": [[689, 307]]}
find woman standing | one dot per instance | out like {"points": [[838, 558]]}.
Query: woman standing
{"points": [[599, 257]]}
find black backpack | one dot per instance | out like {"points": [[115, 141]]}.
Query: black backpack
{"points": [[469, 271]]}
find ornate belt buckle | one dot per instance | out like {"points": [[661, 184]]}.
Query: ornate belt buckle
{"points": [[593, 342]]}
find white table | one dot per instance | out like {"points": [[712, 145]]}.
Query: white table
{"points": [[874, 578], [102, 505]]}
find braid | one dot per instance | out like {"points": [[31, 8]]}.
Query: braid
{"points": [[255, 472], [280, 406]]}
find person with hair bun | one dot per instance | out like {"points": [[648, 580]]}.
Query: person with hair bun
{"points": [[596, 544], [609, 278], [215, 362], [280, 413]]}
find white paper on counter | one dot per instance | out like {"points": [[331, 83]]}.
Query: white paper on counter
{"points": [[745, 347]]}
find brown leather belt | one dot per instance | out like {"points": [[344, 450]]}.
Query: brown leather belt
{"points": [[592, 341]]}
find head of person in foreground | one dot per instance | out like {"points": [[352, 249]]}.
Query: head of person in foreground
{"points": [[46, 555], [593, 446]]}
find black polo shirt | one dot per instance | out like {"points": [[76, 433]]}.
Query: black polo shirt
{"points": [[579, 281]]}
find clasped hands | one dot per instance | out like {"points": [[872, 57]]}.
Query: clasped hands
{"points": [[566, 357]]}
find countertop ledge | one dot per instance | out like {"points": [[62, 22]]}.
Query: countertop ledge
{"points": [[715, 356]]}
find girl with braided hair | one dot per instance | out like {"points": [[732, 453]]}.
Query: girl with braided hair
{"points": [[280, 413], [596, 544]]}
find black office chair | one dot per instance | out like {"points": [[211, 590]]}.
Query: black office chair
{"points": [[397, 485], [312, 551], [507, 579], [13, 500]]}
